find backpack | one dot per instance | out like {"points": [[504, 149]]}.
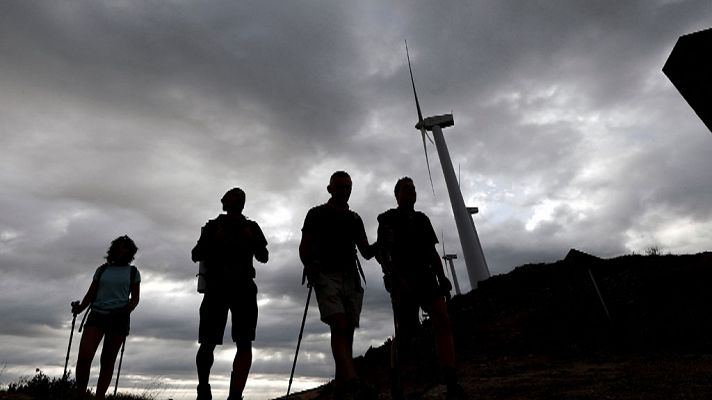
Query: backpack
{"points": [[202, 281]]}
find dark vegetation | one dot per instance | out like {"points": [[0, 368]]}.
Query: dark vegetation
{"points": [[543, 332], [43, 387]]}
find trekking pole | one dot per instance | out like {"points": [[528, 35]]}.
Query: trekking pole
{"points": [[396, 384], [84, 318], [118, 372], [387, 234], [69, 348], [600, 297], [299, 340]]}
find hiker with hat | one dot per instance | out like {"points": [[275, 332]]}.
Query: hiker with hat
{"points": [[227, 246], [415, 278], [112, 295]]}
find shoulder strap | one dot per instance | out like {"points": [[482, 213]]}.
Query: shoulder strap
{"points": [[360, 271], [102, 268]]}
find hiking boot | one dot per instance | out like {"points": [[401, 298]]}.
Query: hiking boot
{"points": [[455, 392], [204, 392]]}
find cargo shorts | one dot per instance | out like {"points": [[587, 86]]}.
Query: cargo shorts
{"points": [[339, 292]]}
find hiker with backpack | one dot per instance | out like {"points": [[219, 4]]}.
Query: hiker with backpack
{"points": [[112, 296], [226, 246], [330, 236], [415, 278]]}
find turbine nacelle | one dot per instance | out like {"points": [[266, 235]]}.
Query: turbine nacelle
{"points": [[443, 121]]}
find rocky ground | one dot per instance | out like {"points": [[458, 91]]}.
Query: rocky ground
{"points": [[631, 327]]}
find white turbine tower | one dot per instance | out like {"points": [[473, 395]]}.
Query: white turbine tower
{"points": [[470, 242], [448, 259]]}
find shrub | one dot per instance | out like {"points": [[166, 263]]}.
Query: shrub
{"points": [[41, 386]]}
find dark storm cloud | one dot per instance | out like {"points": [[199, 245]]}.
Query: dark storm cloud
{"points": [[134, 118]]}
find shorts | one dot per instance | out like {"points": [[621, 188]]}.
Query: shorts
{"points": [[241, 301], [339, 293], [408, 303], [115, 322]]}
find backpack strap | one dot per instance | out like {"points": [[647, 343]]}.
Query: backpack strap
{"points": [[358, 262], [99, 273], [360, 270]]}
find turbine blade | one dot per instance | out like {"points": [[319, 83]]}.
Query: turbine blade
{"points": [[427, 161], [412, 81], [429, 138]]}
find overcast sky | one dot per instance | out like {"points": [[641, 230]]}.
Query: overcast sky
{"points": [[134, 117]]}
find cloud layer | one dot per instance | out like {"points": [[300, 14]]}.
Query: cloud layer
{"points": [[122, 117]]}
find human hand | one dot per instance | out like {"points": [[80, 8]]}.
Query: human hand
{"points": [[76, 307], [387, 282], [311, 270]]}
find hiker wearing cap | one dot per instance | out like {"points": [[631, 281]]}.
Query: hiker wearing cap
{"points": [[330, 236], [227, 245], [415, 278], [112, 295]]}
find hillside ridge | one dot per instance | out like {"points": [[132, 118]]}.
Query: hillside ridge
{"points": [[625, 318]]}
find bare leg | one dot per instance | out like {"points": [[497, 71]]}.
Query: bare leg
{"points": [[112, 344], [204, 361], [342, 337], [240, 369], [444, 343], [91, 337]]}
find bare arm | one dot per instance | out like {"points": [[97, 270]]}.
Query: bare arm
{"points": [[197, 253], [258, 238], [87, 300], [436, 264], [307, 256], [135, 295], [443, 281], [305, 249], [367, 250]]}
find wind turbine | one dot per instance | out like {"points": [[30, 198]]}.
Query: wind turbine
{"points": [[470, 242], [448, 259]]}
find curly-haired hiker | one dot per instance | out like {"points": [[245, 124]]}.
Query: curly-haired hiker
{"points": [[112, 295]]}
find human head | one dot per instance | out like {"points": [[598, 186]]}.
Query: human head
{"points": [[233, 201], [405, 192], [121, 251], [340, 186]]}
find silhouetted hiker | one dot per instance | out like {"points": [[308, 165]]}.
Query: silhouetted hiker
{"points": [[415, 277], [113, 295], [227, 245], [330, 236]]}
